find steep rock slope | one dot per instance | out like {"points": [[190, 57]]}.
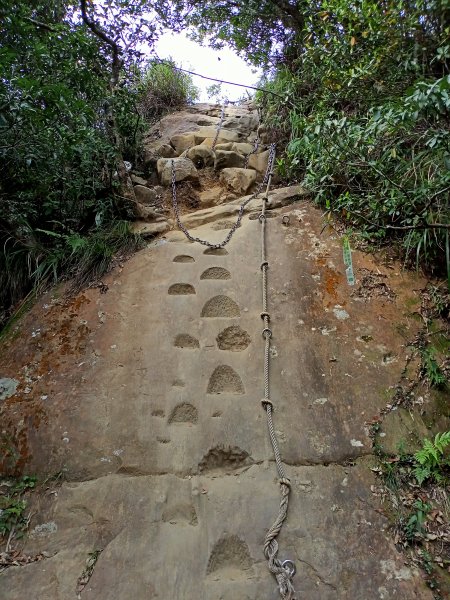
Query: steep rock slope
{"points": [[145, 392]]}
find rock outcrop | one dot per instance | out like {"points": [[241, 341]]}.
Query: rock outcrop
{"points": [[219, 165]]}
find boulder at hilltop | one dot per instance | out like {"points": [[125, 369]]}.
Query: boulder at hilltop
{"points": [[238, 180], [226, 159], [150, 229], [145, 195], [201, 156], [210, 132], [182, 142], [243, 123], [184, 170]]}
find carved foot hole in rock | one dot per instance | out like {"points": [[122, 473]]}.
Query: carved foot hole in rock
{"points": [[216, 273], [178, 383], [184, 340], [184, 413], [184, 258], [180, 513], [215, 251], [181, 289], [233, 338], [216, 414], [225, 380], [230, 554], [224, 459], [223, 225], [220, 306], [158, 412]]}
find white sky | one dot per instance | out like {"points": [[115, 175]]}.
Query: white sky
{"points": [[205, 61]]}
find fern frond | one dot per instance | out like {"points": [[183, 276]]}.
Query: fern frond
{"points": [[441, 441]]}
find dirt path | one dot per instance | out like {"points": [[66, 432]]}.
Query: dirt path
{"points": [[148, 398]]}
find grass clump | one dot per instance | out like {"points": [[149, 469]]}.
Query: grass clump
{"points": [[164, 89], [13, 505]]}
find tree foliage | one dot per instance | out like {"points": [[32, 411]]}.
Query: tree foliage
{"points": [[364, 107], [69, 114], [264, 31]]}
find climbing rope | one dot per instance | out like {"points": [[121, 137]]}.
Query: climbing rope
{"points": [[283, 571]]}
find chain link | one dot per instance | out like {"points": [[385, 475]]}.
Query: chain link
{"points": [[219, 125], [230, 234], [255, 149]]}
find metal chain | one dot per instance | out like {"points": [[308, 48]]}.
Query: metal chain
{"points": [[255, 149], [230, 234], [219, 125], [282, 570]]}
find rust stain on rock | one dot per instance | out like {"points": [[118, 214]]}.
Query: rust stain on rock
{"points": [[44, 344], [332, 279]]}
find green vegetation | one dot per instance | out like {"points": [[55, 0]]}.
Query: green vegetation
{"points": [[361, 104], [165, 89], [72, 87], [13, 520], [415, 488], [431, 368], [415, 523], [430, 461]]}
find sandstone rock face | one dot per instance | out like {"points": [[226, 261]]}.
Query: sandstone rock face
{"points": [[263, 134], [201, 156], [238, 180], [182, 142], [226, 213], [150, 229], [226, 159], [166, 151], [212, 196], [226, 146], [180, 122], [242, 147], [152, 406], [210, 132], [208, 142], [259, 162], [144, 195], [242, 123], [145, 212], [155, 151], [184, 170], [137, 180]]}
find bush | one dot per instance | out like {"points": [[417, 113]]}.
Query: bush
{"points": [[58, 151], [364, 115], [165, 89]]}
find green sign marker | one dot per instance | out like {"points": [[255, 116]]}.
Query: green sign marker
{"points": [[347, 252]]}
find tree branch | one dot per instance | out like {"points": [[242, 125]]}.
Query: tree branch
{"points": [[39, 24], [116, 50], [95, 29]]}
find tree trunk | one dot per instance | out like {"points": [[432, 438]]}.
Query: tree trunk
{"points": [[125, 183]]}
